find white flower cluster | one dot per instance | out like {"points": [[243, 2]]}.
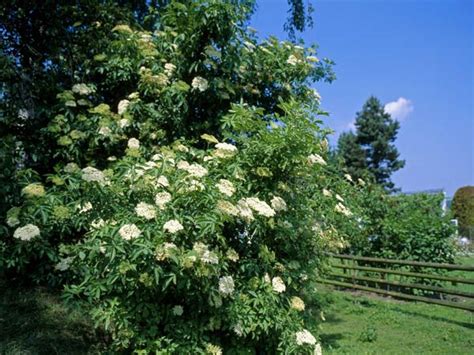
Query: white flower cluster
{"points": [[327, 193], [64, 264], [244, 211], [292, 60], [162, 181], [316, 158], [27, 232], [129, 231], [105, 131], [232, 255], [162, 198], [305, 337], [92, 174], [226, 285], [224, 150], [145, 210], [297, 303], [194, 185], [85, 207], [226, 187], [205, 254], [278, 285], [133, 143], [33, 190], [200, 83], [82, 89], [339, 198], [122, 106], [123, 123], [227, 208], [343, 209], [194, 169], [348, 177], [278, 204], [259, 206], [169, 69], [173, 226]]}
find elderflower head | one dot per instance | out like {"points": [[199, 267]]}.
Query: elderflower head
{"points": [[91, 174], [212, 349], [33, 190], [85, 207], [297, 303], [278, 285], [162, 181], [305, 337], [122, 106], [133, 143], [169, 69], [227, 208], [339, 198], [173, 226], [197, 170], [232, 255], [105, 131], [348, 177], [244, 210], [162, 198], [343, 209], [123, 123], [226, 285], [209, 257], [226, 187], [145, 210], [199, 83], [327, 193], [82, 89], [259, 206], [26, 232], [278, 204], [316, 158], [224, 150], [129, 231], [13, 216], [292, 60]]}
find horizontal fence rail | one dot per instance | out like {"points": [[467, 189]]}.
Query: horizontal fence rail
{"points": [[362, 278]]}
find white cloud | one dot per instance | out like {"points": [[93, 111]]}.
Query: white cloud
{"points": [[399, 109]]}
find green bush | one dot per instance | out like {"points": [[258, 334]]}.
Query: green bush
{"points": [[409, 227], [190, 210], [463, 210]]}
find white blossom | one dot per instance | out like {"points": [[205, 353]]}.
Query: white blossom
{"points": [[297, 303], [105, 131], [165, 251], [133, 143], [226, 285], [224, 150], [209, 257], [339, 198], [97, 223], [327, 193], [26, 232], [244, 210], [145, 210], [82, 89], [238, 329], [122, 106], [129, 231], [173, 226], [259, 206], [228, 208], [278, 285], [92, 174], [292, 60], [199, 83], [169, 69], [318, 350], [226, 187], [316, 158], [305, 337], [343, 209], [85, 207], [163, 181], [123, 123], [278, 204], [162, 198]]}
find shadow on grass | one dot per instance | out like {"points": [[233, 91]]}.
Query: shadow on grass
{"points": [[36, 322], [435, 318]]}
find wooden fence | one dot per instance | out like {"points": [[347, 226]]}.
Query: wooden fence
{"points": [[357, 272]]}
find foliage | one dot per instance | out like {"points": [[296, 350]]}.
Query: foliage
{"points": [[187, 199], [375, 133], [411, 227], [463, 209]]}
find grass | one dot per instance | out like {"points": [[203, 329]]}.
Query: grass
{"points": [[360, 324], [37, 322]]}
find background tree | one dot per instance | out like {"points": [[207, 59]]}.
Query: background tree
{"points": [[463, 209], [373, 140]]}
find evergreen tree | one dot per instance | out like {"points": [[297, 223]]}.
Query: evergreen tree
{"points": [[373, 141]]}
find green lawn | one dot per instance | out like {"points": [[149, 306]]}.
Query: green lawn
{"points": [[358, 324]]}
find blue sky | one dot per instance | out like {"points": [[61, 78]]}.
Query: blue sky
{"points": [[416, 55]]}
